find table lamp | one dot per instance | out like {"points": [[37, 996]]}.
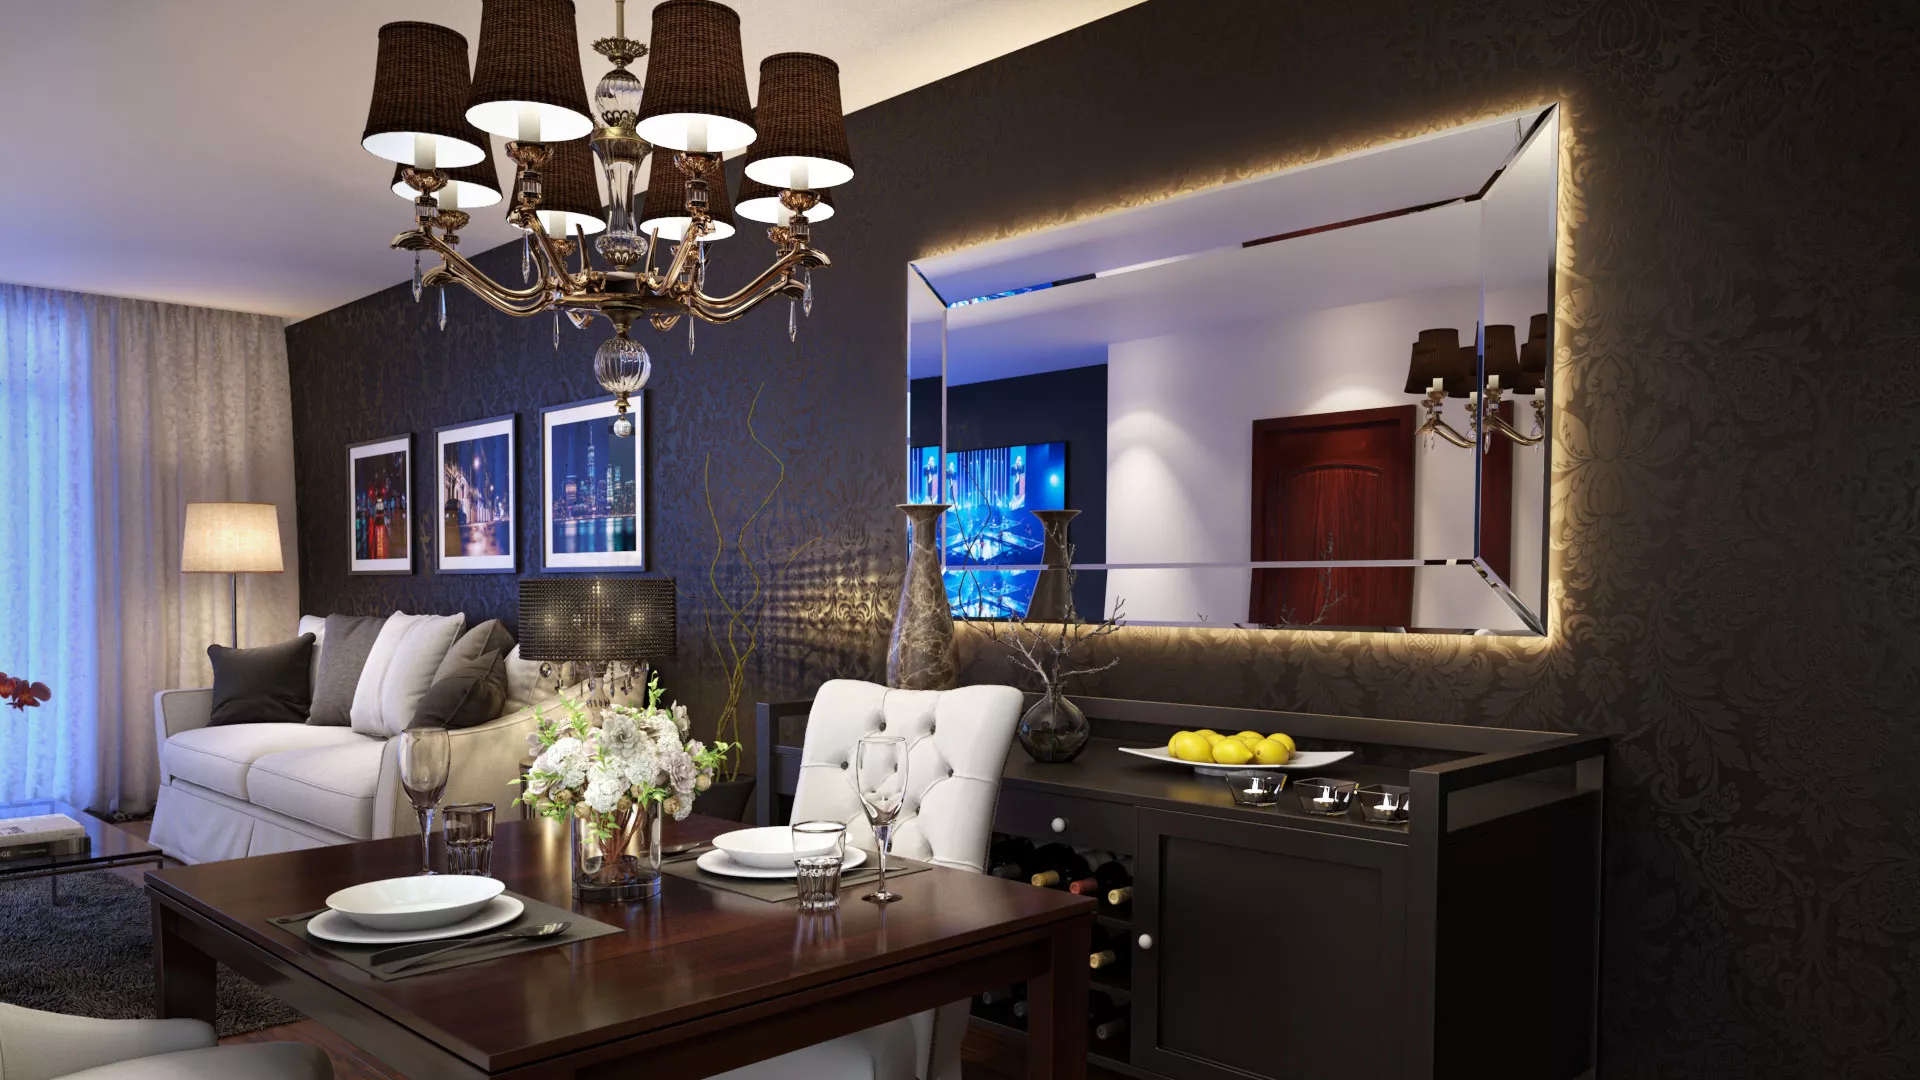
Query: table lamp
{"points": [[232, 538], [598, 622]]}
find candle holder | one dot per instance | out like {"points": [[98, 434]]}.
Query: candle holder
{"points": [[1251, 788], [1320, 795], [1386, 804]]}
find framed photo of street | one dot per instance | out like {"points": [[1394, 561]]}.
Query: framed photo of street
{"points": [[380, 505], [475, 481], [592, 488]]}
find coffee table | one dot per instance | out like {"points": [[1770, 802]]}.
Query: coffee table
{"points": [[701, 981], [108, 846]]}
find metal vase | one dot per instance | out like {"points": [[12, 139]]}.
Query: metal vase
{"points": [[921, 653], [1053, 594]]}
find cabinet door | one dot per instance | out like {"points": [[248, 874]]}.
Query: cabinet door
{"points": [[1274, 952]]}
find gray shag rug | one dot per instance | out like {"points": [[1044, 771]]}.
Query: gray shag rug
{"points": [[92, 955]]}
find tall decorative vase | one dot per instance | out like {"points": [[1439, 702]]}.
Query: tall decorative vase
{"points": [[921, 654], [616, 856], [1054, 729], [1053, 594]]}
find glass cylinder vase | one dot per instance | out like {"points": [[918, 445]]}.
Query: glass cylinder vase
{"points": [[616, 855], [1054, 729]]}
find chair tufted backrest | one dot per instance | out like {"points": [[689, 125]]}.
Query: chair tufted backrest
{"points": [[957, 743]]}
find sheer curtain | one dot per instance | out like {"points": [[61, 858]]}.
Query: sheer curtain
{"points": [[114, 414]]}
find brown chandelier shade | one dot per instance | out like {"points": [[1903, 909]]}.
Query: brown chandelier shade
{"points": [[474, 186], [802, 138], [665, 207], [696, 91], [1439, 355], [1503, 362], [527, 83], [420, 87], [761, 202], [1533, 354], [597, 619], [569, 190]]}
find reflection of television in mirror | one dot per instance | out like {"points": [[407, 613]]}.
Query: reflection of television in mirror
{"points": [[991, 491]]}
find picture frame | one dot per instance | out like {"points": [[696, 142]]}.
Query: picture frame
{"points": [[380, 506], [477, 513], [601, 525]]}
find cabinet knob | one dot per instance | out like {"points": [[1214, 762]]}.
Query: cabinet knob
{"points": [[1145, 941], [1059, 824]]}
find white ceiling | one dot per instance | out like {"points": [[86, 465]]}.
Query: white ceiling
{"points": [[208, 151]]}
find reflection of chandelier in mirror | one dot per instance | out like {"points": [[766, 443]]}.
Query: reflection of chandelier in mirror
{"points": [[434, 121], [1443, 368]]}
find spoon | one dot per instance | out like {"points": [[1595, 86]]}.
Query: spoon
{"points": [[544, 930]]}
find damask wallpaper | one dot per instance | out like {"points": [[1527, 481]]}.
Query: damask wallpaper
{"points": [[1736, 531]]}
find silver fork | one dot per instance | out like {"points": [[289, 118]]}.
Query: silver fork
{"points": [[544, 930]]}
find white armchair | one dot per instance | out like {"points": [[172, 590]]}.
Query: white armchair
{"points": [[37, 1045], [957, 742]]}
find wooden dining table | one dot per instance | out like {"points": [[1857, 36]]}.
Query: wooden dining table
{"points": [[700, 980]]}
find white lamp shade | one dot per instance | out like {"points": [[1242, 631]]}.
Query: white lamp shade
{"points": [[675, 228], [769, 209], [561, 223], [795, 171], [468, 195], [231, 538]]}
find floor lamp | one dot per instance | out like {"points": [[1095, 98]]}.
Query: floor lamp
{"points": [[232, 539]]}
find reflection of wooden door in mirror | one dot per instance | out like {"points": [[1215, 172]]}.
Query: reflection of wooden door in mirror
{"points": [[1334, 486], [1496, 502]]}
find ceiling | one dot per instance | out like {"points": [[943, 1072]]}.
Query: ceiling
{"points": [[208, 151]]}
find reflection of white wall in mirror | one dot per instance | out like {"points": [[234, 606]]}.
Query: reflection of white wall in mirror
{"points": [[1180, 413], [1516, 307]]}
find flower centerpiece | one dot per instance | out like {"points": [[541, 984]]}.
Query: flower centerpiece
{"points": [[21, 694], [614, 777]]}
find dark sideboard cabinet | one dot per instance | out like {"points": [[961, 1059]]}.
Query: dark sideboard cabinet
{"points": [[1267, 942]]}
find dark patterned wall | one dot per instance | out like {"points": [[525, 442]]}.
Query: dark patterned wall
{"points": [[1738, 574]]}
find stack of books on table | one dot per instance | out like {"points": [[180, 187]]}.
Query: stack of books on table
{"points": [[40, 837]]}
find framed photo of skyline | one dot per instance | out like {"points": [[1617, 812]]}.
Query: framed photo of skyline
{"points": [[474, 472], [380, 502], [592, 488]]}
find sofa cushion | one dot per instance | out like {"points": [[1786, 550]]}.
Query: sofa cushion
{"points": [[400, 669], [270, 684], [489, 636], [317, 626], [343, 655], [329, 786], [219, 757], [525, 687], [467, 696], [240, 1061]]}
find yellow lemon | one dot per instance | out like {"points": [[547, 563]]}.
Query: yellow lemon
{"points": [[1286, 740], [1231, 752], [1206, 731], [1271, 752], [1250, 738], [1244, 734], [1211, 737], [1175, 737], [1188, 746]]}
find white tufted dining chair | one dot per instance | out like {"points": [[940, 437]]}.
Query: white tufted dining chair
{"points": [[957, 742]]}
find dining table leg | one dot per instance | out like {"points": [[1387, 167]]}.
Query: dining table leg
{"points": [[183, 975], [1057, 1006]]}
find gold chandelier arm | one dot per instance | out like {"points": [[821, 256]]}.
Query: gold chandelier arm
{"points": [[484, 289], [771, 281], [459, 269], [1500, 425], [1445, 430]]}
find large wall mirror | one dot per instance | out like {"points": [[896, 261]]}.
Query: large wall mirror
{"points": [[1320, 398]]}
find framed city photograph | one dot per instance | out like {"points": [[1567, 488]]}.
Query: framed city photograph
{"points": [[592, 488], [380, 501], [474, 470]]}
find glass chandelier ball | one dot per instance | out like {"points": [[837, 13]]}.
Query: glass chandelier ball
{"points": [[618, 97], [622, 364]]}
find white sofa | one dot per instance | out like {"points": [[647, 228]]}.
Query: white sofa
{"points": [[251, 789]]}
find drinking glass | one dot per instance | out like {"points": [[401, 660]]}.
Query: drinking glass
{"points": [[425, 756], [880, 776], [819, 849], [469, 829]]}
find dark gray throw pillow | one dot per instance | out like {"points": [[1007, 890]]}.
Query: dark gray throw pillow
{"points": [[487, 637], [267, 685], [343, 653], [467, 696]]}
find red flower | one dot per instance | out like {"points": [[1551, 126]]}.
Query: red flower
{"points": [[22, 694]]}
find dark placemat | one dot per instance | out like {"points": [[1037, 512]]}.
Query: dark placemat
{"points": [[778, 889], [537, 912]]}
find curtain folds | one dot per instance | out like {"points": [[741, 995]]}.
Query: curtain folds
{"points": [[114, 414]]}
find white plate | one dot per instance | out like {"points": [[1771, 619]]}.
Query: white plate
{"points": [[717, 862], [1301, 759], [333, 926], [768, 848], [422, 902]]}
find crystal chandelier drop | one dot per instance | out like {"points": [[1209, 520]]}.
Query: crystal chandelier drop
{"points": [[434, 121]]}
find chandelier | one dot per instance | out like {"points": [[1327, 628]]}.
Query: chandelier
{"points": [[434, 121], [1442, 368]]}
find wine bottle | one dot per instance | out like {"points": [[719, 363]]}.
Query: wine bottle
{"points": [[1109, 950], [1108, 1016], [1108, 877], [1001, 995], [1058, 864], [1012, 857]]}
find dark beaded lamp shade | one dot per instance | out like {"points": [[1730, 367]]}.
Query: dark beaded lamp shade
{"points": [[597, 619], [529, 60], [569, 190], [802, 141], [761, 202], [1439, 355], [475, 185], [1503, 362], [666, 201], [420, 89], [696, 90]]}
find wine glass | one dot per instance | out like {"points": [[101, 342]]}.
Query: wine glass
{"points": [[880, 776], [426, 754]]}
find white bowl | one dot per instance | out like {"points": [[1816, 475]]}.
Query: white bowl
{"points": [[770, 848], [415, 903]]}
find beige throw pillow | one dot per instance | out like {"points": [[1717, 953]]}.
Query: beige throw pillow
{"points": [[400, 670]]}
